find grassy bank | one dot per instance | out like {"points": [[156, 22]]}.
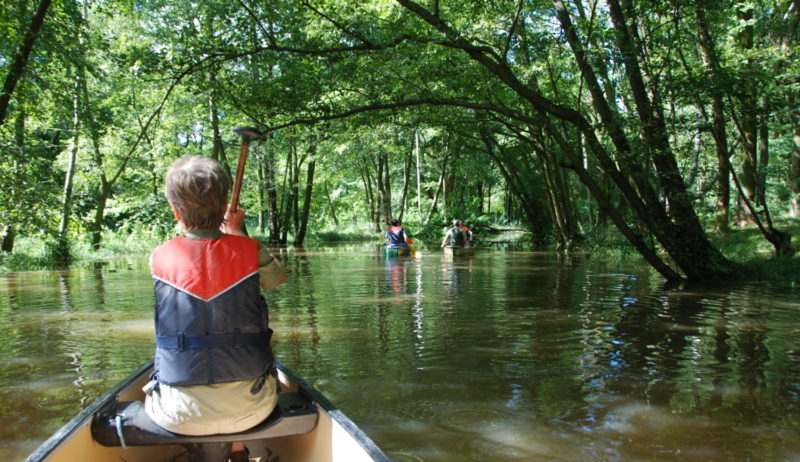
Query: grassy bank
{"points": [[748, 247], [745, 246]]}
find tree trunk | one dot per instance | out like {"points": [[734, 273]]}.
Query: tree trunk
{"points": [[439, 187], [748, 176], [301, 232], [330, 205], [794, 163], [406, 181], [17, 67], [217, 147], [445, 190], [560, 198], [10, 230], [519, 179], [711, 63], [793, 19], [419, 174], [289, 196], [272, 192], [384, 185], [99, 214], [262, 202], [763, 148], [9, 235], [682, 238], [66, 197], [374, 212]]}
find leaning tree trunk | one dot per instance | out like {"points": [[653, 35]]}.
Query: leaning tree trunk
{"points": [[17, 67], [518, 179], [10, 230], [682, 238], [682, 235]]}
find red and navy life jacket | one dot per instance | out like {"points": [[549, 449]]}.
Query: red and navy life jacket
{"points": [[396, 236], [212, 324]]}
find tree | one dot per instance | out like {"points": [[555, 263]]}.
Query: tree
{"points": [[21, 58]]}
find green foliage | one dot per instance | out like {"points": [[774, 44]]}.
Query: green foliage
{"points": [[401, 116]]}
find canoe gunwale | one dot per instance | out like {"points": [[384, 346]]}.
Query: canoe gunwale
{"points": [[110, 397], [349, 426], [79, 420]]}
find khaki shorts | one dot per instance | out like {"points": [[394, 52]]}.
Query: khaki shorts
{"points": [[211, 409]]}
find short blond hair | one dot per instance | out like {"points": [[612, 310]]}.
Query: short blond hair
{"points": [[198, 187]]}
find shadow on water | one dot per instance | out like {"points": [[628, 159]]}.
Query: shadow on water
{"points": [[508, 355]]}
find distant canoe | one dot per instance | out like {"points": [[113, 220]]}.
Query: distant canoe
{"points": [[305, 427], [397, 251], [459, 251]]}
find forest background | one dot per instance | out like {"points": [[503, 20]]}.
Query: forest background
{"points": [[672, 126]]}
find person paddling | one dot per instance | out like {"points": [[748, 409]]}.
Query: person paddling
{"points": [[455, 236], [214, 366], [396, 236], [467, 233]]}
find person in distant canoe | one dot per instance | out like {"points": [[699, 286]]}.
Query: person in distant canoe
{"points": [[396, 236], [467, 234], [214, 367], [455, 236]]}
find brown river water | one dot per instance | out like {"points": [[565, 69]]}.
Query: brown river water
{"points": [[505, 356]]}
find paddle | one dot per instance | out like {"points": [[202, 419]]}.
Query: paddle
{"points": [[414, 252], [247, 133]]}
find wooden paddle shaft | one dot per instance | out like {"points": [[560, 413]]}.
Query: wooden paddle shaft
{"points": [[237, 180], [247, 134]]}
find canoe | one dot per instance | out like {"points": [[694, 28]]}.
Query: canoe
{"points": [[397, 251], [459, 251], [305, 427]]}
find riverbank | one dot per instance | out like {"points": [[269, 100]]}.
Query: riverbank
{"points": [[744, 245]]}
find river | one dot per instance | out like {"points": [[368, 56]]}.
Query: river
{"points": [[504, 356]]}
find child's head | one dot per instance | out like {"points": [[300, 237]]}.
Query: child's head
{"points": [[197, 187], [395, 223]]}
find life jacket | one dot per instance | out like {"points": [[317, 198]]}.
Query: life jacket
{"points": [[212, 324], [396, 236], [455, 237], [466, 234]]}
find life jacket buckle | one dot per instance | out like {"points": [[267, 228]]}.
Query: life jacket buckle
{"points": [[180, 339]]}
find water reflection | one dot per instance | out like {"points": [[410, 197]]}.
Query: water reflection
{"points": [[505, 356]]}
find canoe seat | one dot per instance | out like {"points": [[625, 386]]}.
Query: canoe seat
{"points": [[294, 414]]}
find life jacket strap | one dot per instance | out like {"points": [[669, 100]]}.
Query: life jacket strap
{"points": [[194, 342]]}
